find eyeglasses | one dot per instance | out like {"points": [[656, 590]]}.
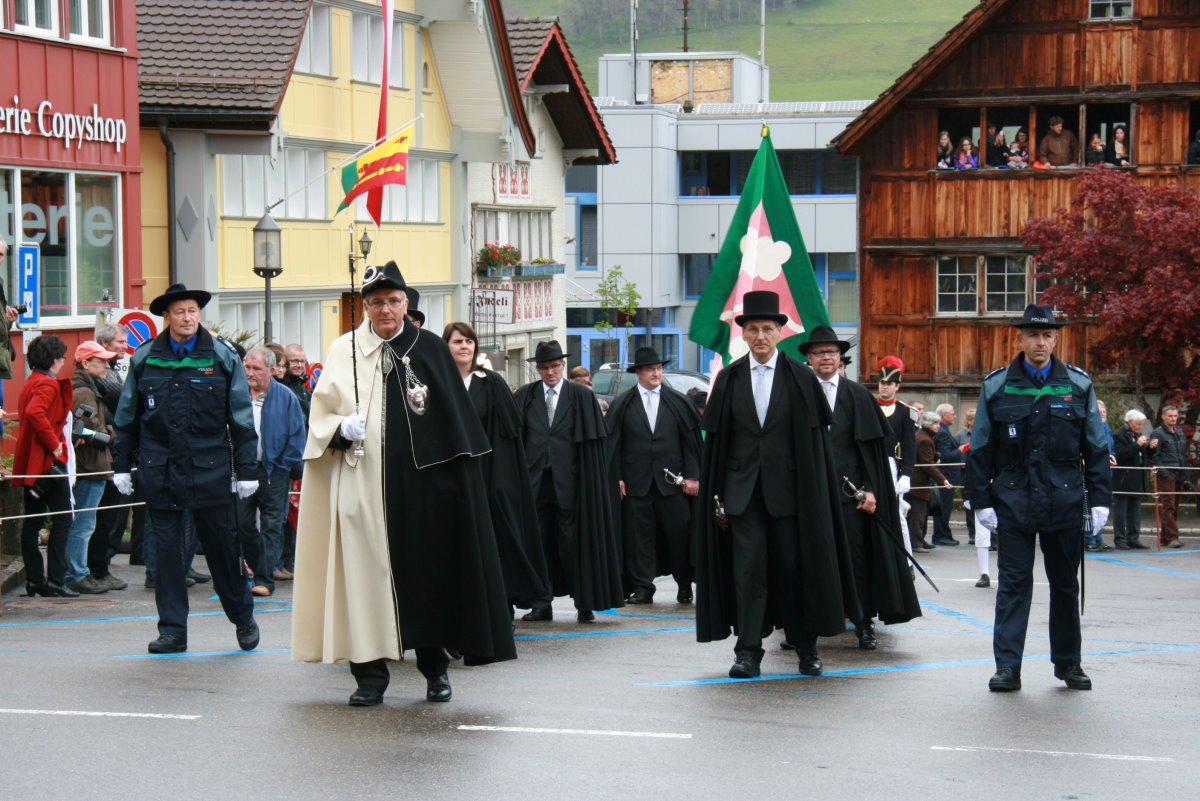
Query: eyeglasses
{"points": [[297, 361], [821, 354], [393, 304]]}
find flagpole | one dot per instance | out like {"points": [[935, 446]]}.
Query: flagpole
{"points": [[346, 161]]}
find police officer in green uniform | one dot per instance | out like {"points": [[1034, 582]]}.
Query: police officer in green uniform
{"points": [[1037, 423], [185, 413]]}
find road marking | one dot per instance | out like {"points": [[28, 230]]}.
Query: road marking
{"points": [[1117, 561], [97, 714], [600, 732], [989, 749], [945, 610]]}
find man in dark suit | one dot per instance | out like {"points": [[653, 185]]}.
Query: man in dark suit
{"points": [[654, 430], [766, 462], [858, 440], [564, 432], [1129, 484], [951, 458]]}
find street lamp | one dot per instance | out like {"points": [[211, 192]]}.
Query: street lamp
{"points": [[268, 260]]}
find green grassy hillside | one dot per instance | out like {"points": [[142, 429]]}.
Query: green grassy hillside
{"points": [[817, 50]]}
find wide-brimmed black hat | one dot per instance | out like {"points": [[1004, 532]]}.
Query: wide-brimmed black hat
{"points": [[386, 277], [760, 305], [644, 358], [548, 351], [1037, 317], [178, 292], [823, 335]]}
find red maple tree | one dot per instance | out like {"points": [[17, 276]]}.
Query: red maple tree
{"points": [[1125, 257]]}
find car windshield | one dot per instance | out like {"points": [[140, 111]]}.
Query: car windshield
{"points": [[683, 382]]}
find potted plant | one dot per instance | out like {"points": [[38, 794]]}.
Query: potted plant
{"points": [[497, 259]]}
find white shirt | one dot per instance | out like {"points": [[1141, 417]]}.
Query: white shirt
{"points": [[762, 378], [650, 398], [830, 388]]}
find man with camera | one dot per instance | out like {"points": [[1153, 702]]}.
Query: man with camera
{"points": [[91, 435]]}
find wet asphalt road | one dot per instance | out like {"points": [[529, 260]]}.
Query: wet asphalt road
{"points": [[630, 707]]}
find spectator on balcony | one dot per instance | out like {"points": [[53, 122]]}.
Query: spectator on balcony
{"points": [[1118, 150], [965, 158], [1018, 151], [945, 151], [1193, 151], [997, 148], [1095, 155], [1059, 147]]}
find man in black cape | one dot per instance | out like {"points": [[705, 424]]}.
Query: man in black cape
{"points": [[760, 566], [858, 438], [652, 429], [564, 433], [395, 549]]}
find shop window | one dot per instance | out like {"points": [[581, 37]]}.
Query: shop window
{"points": [[313, 55], [1105, 9], [697, 267], [36, 16], [417, 201], [251, 183], [73, 219], [366, 49]]}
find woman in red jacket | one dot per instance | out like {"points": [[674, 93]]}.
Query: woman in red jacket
{"points": [[41, 462]]}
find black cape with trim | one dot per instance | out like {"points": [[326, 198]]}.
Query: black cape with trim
{"points": [[594, 581], [892, 596], [514, 514], [824, 568], [684, 412]]}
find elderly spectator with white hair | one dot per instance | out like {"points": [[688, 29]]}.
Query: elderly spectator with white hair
{"points": [[951, 459], [1131, 447], [926, 476]]}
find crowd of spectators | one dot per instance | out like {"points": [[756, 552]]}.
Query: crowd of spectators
{"points": [[1059, 147]]}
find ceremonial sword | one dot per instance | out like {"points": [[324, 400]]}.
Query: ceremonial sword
{"points": [[891, 535]]}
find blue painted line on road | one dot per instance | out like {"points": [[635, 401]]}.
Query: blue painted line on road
{"points": [[186, 655], [256, 599], [945, 610], [1116, 561], [901, 668], [120, 619], [598, 633], [614, 613]]}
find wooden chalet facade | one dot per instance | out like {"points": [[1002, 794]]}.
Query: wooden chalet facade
{"points": [[942, 266]]}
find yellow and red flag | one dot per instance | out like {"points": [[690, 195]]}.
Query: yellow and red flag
{"points": [[375, 169]]}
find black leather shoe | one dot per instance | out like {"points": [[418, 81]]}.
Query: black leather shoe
{"points": [[366, 696], [1137, 546], [198, 577], [684, 596], [866, 637], [787, 646], [810, 662], [538, 613], [247, 635], [984, 581], [1074, 676], [1004, 680], [584, 616], [640, 597], [744, 667], [438, 689], [168, 644], [945, 541], [33, 590], [53, 590]]}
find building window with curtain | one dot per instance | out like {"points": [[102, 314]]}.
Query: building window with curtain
{"points": [[366, 50], [251, 183], [314, 53]]}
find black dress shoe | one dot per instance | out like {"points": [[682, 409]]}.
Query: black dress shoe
{"points": [[1004, 680], [438, 688], [866, 637], [685, 596], [53, 590], [745, 666], [538, 613], [984, 580], [810, 662], [584, 616], [945, 541], [366, 696], [640, 597], [42, 589], [1074, 676], [247, 635], [168, 644], [198, 577], [787, 646]]}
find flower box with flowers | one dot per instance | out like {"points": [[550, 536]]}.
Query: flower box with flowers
{"points": [[496, 258]]}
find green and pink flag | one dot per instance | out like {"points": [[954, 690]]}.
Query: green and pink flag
{"points": [[763, 250]]}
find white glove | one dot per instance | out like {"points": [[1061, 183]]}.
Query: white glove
{"points": [[354, 427], [1099, 518], [967, 505], [986, 518], [246, 488], [903, 485], [124, 483]]}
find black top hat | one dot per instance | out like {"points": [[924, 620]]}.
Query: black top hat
{"points": [[890, 369], [386, 277], [414, 297], [760, 305], [824, 335], [1037, 317], [548, 351], [178, 292], [644, 358]]}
